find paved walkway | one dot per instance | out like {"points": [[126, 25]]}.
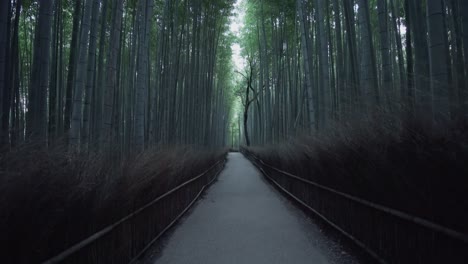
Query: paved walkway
{"points": [[242, 219]]}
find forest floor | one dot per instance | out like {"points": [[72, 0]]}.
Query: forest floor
{"points": [[243, 219]]}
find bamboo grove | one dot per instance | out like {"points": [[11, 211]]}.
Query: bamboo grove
{"points": [[126, 74], [317, 63]]}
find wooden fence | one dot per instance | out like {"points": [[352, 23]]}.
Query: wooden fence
{"points": [[388, 235], [127, 239]]}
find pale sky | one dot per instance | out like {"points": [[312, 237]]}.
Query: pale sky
{"points": [[237, 22]]}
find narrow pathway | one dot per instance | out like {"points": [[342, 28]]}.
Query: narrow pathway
{"points": [[242, 219]]}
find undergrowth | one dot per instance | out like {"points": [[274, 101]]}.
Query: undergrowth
{"points": [[51, 199], [417, 169]]}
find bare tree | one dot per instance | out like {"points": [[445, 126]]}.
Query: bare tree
{"points": [[248, 94]]}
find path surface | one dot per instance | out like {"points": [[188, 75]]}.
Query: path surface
{"points": [[242, 219]]}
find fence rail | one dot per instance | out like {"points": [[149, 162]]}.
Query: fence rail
{"points": [[389, 235], [125, 241]]}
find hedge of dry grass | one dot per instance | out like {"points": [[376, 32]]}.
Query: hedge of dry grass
{"points": [[419, 170], [51, 199]]}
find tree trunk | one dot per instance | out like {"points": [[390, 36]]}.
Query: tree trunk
{"points": [[464, 23], [324, 81], [308, 73], [401, 66], [340, 63], [98, 99], [146, 9], [409, 98], [111, 75], [368, 70], [387, 85], [91, 74], [421, 59], [354, 84], [438, 60], [7, 84], [13, 130], [37, 109], [54, 74], [72, 66], [77, 113], [4, 41]]}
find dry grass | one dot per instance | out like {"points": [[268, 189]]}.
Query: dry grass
{"points": [[419, 170], [51, 199]]}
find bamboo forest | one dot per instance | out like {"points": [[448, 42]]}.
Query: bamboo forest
{"points": [[234, 131]]}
